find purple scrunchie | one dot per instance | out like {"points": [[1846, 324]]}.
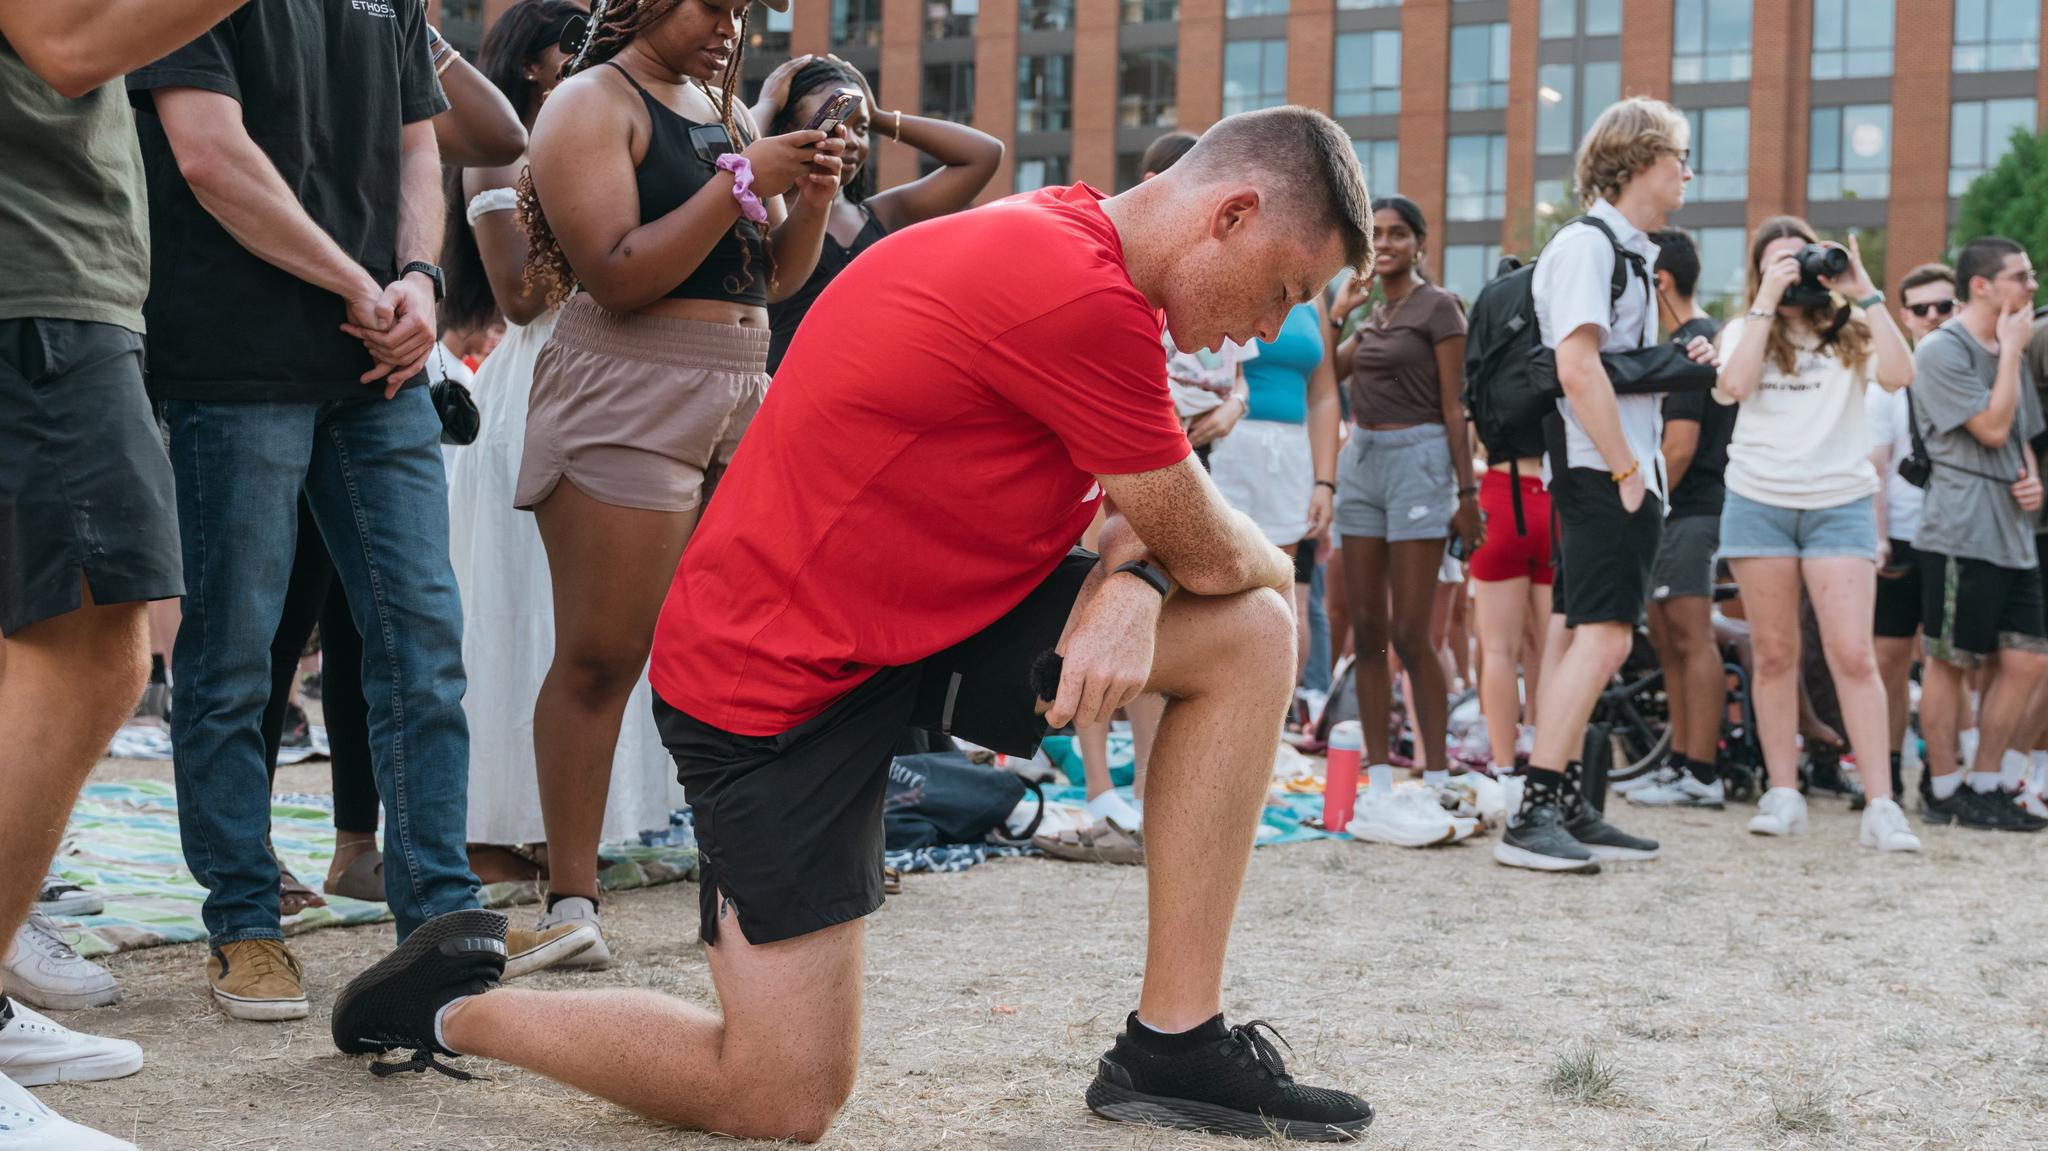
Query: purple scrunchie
{"points": [[743, 186]]}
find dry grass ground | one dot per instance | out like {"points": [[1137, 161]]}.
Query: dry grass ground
{"points": [[1737, 994]]}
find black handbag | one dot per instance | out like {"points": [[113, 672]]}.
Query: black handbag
{"points": [[460, 420], [1655, 370]]}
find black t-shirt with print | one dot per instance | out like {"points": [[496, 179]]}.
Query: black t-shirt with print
{"points": [[326, 87], [1700, 491]]}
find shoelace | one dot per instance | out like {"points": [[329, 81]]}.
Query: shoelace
{"points": [[1259, 1049], [47, 938], [422, 1060], [269, 961]]}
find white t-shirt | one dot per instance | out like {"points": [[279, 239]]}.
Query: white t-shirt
{"points": [[1574, 282], [1802, 440], [1888, 427]]}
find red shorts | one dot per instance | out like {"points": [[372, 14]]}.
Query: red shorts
{"points": [[1506, 555]]}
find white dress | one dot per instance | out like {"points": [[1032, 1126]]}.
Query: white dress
{"points": [[508, 626]]}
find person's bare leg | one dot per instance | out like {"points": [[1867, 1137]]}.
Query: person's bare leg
{"points": [[70, 681], [2004, 706], [1671, 658], [1365, 567], [1844, 594], [1093, 740], [1557, 640], [1500, 615], [1337, 604], [1412, 567], [1895, 668], [1572, 688], [611, 568], [1770, 594], [1703, 677], [1536, 654], [164, 617], [1941, 685], [1145, 712], [776, 1064]]}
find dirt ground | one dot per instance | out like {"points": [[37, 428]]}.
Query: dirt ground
{"points": [[1740, 993]]}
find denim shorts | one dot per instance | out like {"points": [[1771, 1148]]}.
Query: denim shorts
{"points": [[1750, 530]]}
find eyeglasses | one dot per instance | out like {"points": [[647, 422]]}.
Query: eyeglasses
{"points": [[1684, 156], [2023, 276], [1938, 307]]}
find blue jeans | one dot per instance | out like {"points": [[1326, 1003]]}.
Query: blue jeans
{"points": [[372, 474]]}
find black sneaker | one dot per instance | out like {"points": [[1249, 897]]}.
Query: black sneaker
{"points": [[1229, 1080], [392, 1005], [1537, 839], [1998, 811], [1607, 841]]}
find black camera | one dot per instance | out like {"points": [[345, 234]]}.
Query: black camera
{"points": [[1815, 261]]}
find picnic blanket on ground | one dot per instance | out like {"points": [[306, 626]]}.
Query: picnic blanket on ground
{"points": [[122, 844], [145, 740]]}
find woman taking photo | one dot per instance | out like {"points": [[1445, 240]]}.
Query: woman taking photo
{"points": [[1405, 478], [647, 196], [968, 159], [1799, 511]]}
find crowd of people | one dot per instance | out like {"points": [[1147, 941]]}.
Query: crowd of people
{"points": [[590, 419]]}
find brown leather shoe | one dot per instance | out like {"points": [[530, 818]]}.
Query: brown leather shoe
{"points": [[258, 980], [529, 951]]}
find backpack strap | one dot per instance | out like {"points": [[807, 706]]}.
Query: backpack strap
{"points": [[1625, 261]]}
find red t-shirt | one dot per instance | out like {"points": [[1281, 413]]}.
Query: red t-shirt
{"points": [[925, 457]]}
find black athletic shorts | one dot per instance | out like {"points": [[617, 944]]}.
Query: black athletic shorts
{"points": [[1972, 609], [1898, 594], [789, 827], [1608, 551], [85, 484]]}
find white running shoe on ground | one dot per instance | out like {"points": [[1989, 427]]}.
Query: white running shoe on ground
{"points": [[1782, 811], [1685, 791], [1464, 818], [35, 1051], [1662, 775], [60, 896], [40, 968], [1484, 796], [1392, 818], [27, 1125], [2031, 799], [1884, 827], [577, 909]]}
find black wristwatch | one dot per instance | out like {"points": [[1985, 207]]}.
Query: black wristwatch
{"points": [[1149, 574], [431, 272]]}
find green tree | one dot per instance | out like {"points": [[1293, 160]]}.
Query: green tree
{"points": [[2011, 200]]}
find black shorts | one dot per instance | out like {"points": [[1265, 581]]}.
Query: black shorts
{"points": [[1608, 551], [1898, 594], [789, 827], [1305, 561], [85, 484], [1973, 609]]}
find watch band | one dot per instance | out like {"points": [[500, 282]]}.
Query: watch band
{"points": [[1149, 574], [1870, 301], [430, 272]]}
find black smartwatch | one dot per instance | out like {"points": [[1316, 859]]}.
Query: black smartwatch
{"points": [[1149, 574], [431, 272]]}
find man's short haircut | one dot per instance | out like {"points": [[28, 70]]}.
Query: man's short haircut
{"points": [[1298, 156], [1676, 255], [1927, 274], [1165, 152], [1983, 256], [1627, 136]]}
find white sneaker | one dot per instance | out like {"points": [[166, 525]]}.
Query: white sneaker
{"points": [[60, 896], [1389, 817], [1884, 827], [1685, 791], [1663, 775], [27, 1125], [35, 1051], [2030, 798], [1482, 796], [577, 909], [1782, 811], [40, 968], [1453, 803]]}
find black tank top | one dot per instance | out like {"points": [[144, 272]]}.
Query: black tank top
{"points": [[784, 317], [673, 171]]}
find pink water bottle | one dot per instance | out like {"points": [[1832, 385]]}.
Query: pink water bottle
{"points": [[1340, 780]]}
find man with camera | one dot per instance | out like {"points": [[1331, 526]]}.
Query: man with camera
{"points": [[1975, 404]]}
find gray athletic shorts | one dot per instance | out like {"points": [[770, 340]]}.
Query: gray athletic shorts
{"points": [[1396, 486], [1685, 558]]}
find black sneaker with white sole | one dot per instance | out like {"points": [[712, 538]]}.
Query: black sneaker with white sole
{"points": [[392, 1006], [1536, 839], [1227, 1080], [1992, 811], [1608, 842]]}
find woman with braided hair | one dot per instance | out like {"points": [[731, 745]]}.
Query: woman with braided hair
{"points": [[657, 222]]}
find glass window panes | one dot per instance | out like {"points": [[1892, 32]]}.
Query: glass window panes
{"points": [[1254, 75], [1035, 172], [1601, 86], [1720, 154], [1239, 9], [1852, 38], [1468, 267], [1150, 11], [1045, 15], [1045, 96], [1852, 153], [1354, 5], [1381, 160], [1479, 66], [856, 22], [1997, 35], [1148, 85], [1724, 270], [1476, 178], [1369, 73], [1980, 134], [1558, 18], [1603, 17], [1556, 90], [1553, 200], [1709, 41], [947, 18], [949, 91]]}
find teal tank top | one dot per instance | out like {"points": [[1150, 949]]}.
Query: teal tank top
{"points": [[1278, 379]]}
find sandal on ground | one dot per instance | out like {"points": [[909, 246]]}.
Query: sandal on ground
{"points": [[293, 896], [892, 881], [362, 879], [1104, 842]]}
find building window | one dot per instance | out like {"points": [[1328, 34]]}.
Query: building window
{"points": [[1148, 83], [1239, 9], [1150, 11], [1852, 38], [1476, 178], [1556, 86], [1381, 160], [1553, 201], [949, 91], [1560, 19], [1979, 136], [946, 19], [856, 22], [1479, 66], [1724, 270], [767, 30], [1254, 75], [1603, 17], [1599, 87], [1709, 41], [1720, 154], [1035, 172], [1357, 5], [1852, 153], [1045, 95], [1045, 15], [1997, 35], [1468, 268], [1369, 73]]}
